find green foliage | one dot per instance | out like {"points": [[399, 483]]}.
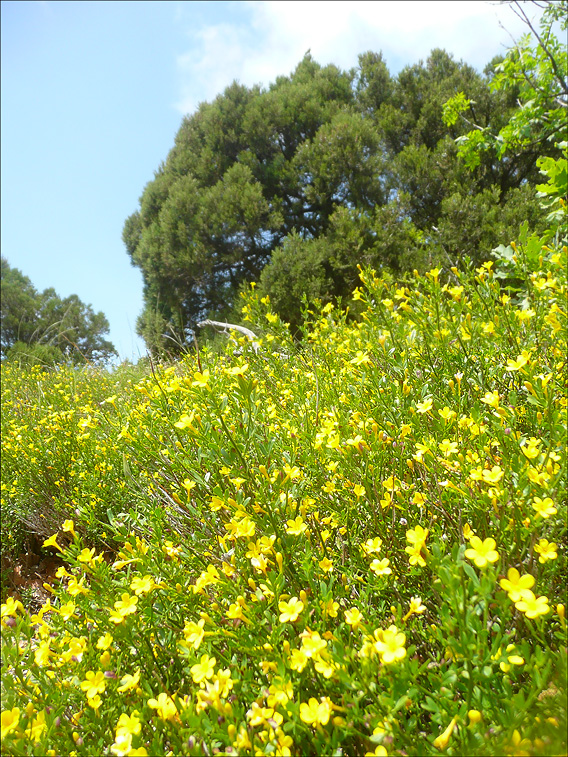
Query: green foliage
{"points": [[324, 171], [41, 327], [536, 70], [349, 544]]}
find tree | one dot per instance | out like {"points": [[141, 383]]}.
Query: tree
{"points": [[296, 185], [536, 70], [43, 327], [233, 187]]}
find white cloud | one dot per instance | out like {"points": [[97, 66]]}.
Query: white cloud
{"points": [[277, 33]]}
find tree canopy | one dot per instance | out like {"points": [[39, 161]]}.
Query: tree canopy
{"points": [[296, 185], [43, 327]]}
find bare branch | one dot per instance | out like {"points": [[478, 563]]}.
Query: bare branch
{"points": [[232, 327], [523, 16]]}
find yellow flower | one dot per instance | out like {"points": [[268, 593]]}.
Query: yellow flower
{"points": [[441, 742], [390, 645], [417, 536], [42, 654], [52, 542], [312, 643], [474, 716], [69, 526], [546, 550], [94, 683], [37, 727], [204, 669], [326, 565], [424, 407], [416, 606], [142, 585], [296, 527], [519, 362], [75, 587], [201, 379], [129, 723], [492, 476], [446, 413], [361, 358], [126, 605], [381, 567], [491, 399], [415, 557], [188, 485], [11, 608], [330, 608], [128, 682], [186, 421], [290, 610], [533, 606], [86, 555], [164, 705], [67, 610], [10, 720], [105, 641], [516, 585], [316, 713], [448, 448], [373, 545], [280, 694], [544, 507], [482, 552], [194, 633], [122, 744], [298, 660], [353, 617], [512, 659]]}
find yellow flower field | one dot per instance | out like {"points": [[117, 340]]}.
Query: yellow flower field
{"points": [[352, 544]]}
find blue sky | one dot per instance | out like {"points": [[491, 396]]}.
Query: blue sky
{"points": [[93, 93]]}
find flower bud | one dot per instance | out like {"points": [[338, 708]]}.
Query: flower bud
{"points": [[474, 716]]}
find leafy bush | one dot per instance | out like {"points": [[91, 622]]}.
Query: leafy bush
{"points": [[354, 545]]}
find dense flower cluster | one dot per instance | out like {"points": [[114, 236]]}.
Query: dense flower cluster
{"points": [[353, 544]]}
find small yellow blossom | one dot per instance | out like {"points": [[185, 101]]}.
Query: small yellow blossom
{"points": [[441, 742], [164, 705], [142, 585], [296, 527], [390, 645], [128, 682], [353, 617], [546, 550], [290, 610], [424, 407], [482, 552], [316, 713], [94, 683], [52, 542], [10, 720], [516, 585], [69, 527], [381, 567], [416, 607], [544, 507], [532, 606]]}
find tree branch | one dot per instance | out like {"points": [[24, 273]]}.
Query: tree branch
{"points": [[232, 327]]}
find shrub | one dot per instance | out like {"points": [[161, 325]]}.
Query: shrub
{"points": [[351, 545]]}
